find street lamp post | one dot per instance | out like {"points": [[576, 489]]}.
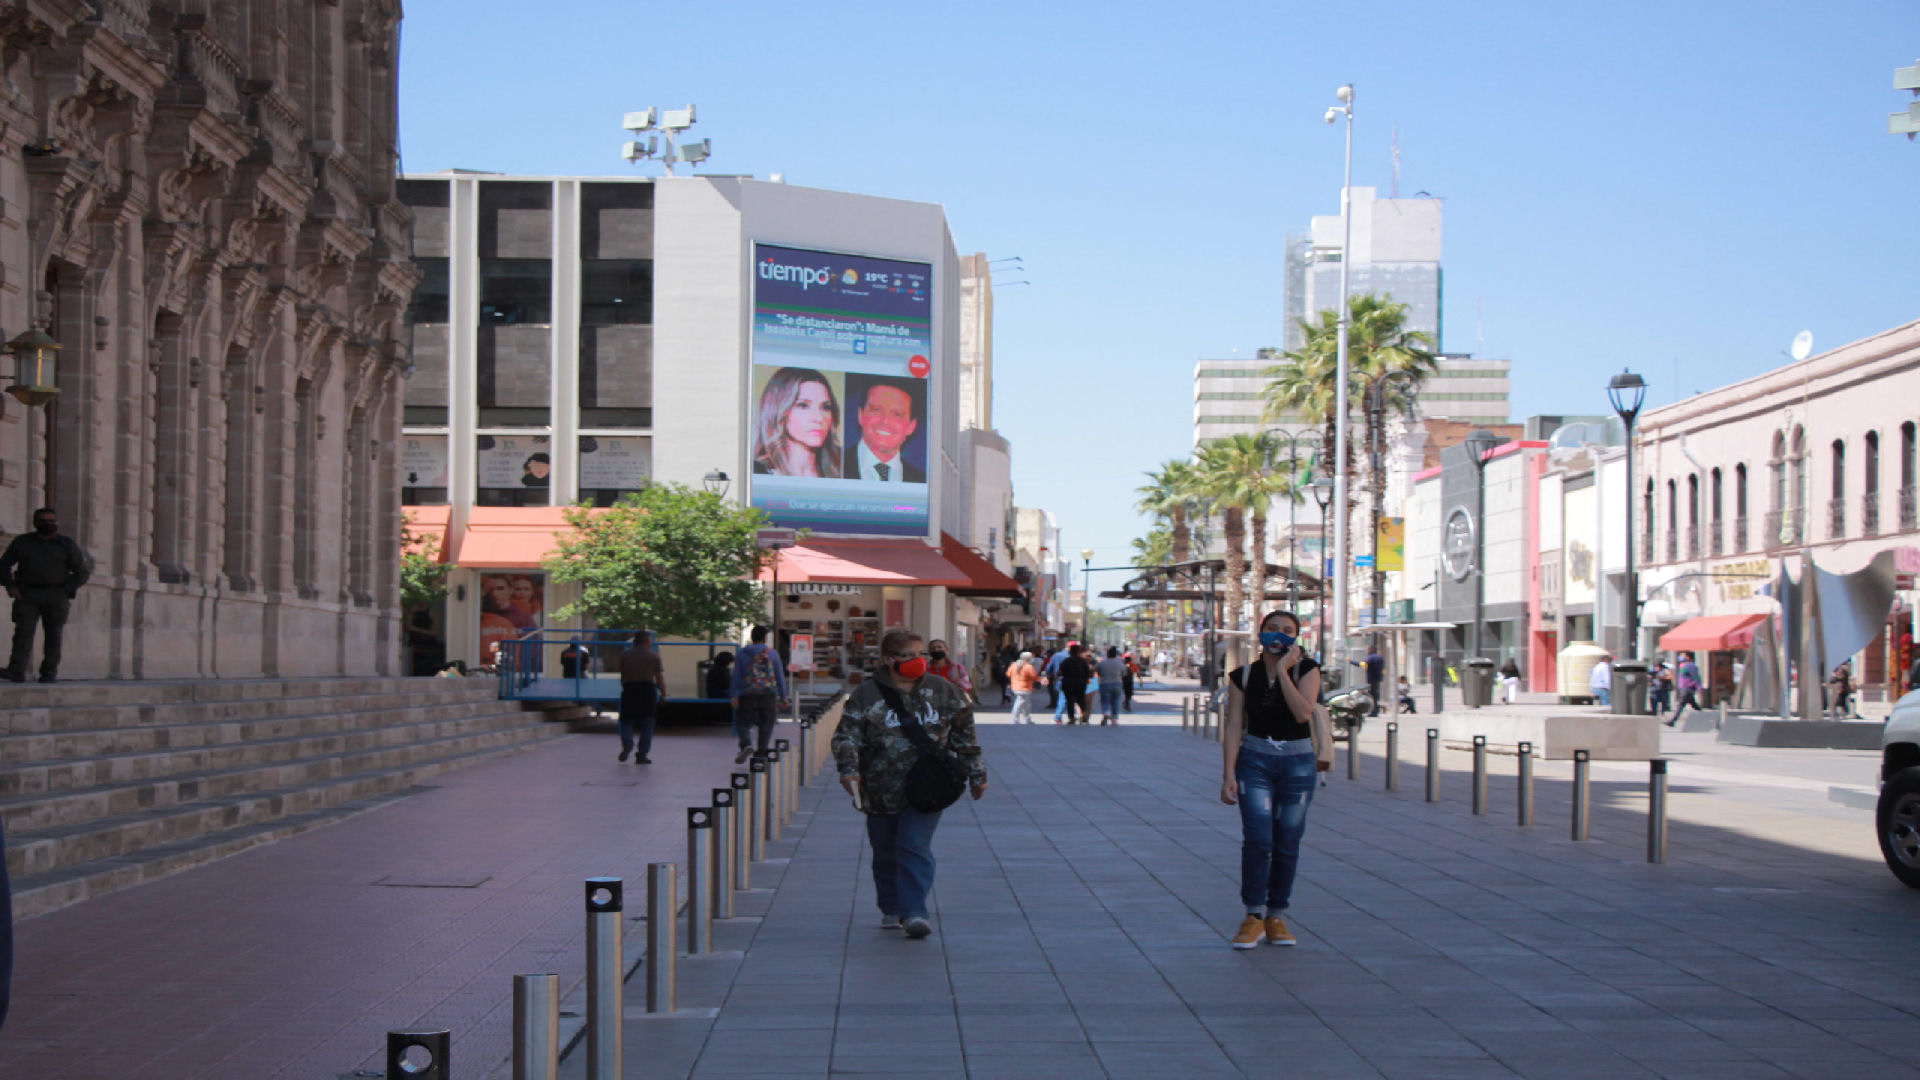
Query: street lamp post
{"points": [[1628, 392], [1341, 390], [1322, 492], [1480, 444], [1376, 408], [1086, 597]]}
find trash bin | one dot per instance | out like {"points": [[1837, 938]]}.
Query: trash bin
{"points": [[1630, 682], [1478, 690]]}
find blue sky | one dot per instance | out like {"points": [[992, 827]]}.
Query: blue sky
{"points": [[1678, 187]]}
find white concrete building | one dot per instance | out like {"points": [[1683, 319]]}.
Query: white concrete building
{"points": [[1396, 252], [576, 338], [1816, 459]]}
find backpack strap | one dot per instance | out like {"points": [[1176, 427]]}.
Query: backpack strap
{"points": [[909, 720]]}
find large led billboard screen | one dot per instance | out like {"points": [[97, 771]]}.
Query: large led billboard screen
{"points": [[839, 425]]}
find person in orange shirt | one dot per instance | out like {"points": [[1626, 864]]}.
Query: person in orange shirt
{"points": [[1022, 677]]}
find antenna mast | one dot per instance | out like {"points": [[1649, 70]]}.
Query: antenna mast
{"points": [[1394, 192]]}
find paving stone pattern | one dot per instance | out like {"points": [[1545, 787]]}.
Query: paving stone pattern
{"points": [[1083, 906]]}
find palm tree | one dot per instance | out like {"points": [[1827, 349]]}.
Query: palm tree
{"points": [[1235, 477], [1168, 495]]}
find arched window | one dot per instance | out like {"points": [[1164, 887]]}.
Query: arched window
{"points": [[1715, 528], [1673, 521], [1837, 502], [1740, 507], [1870, 486], [1646, 535], [1693, 515], [1909, 512]]}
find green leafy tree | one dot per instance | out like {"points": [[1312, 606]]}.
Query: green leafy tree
{"points": [[667, 558], [1237, 478], [423, 577], [1170, 495]]}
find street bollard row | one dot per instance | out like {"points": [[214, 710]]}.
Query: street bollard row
{"points": [[604, 1007], [1393, 756]]}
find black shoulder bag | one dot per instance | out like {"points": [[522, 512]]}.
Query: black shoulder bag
{"points": [[938, 776]]}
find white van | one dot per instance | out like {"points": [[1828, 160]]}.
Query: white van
{"points": [[1898, 815]]}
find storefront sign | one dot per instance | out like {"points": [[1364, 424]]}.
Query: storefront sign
{"points": [[800, 652], [615, 463], [840, 425], [822, 588], [423, 461], [1740, 580], [1456, 544], [1391, 541]]}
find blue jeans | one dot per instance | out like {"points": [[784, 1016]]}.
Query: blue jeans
{"points": [[1110, 701], [902, 861], [1274, 792], [1605, 694], [637, 707]]}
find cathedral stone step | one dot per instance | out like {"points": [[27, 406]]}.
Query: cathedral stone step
{"points": [[33, 856], [348, 695], [78, 760]]}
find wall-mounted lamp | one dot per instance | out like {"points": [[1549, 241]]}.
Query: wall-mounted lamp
{"points": [[36, 367], [716, 482]]}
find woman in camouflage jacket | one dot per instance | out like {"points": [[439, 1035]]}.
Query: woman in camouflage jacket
{"points": [[873, 757]]}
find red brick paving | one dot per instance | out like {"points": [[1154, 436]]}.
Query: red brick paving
{"points": [[286, 962]]}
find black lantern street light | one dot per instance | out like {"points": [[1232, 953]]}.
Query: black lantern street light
{"points": [[716, 482], [1480, 444], [1628, 392], [1323, 496], [1086, 596]]}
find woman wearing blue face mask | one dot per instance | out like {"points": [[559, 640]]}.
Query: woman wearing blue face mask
{"points": [[1273, 741]]}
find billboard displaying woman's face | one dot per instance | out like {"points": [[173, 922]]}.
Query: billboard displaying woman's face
{"points": [[839, 428]]}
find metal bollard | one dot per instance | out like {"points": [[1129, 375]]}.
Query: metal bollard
{"points": [[663, 896], [699, 880], [1353, 754], [742, 831], [757, 828], [1582, 793], [1526, 783], [536, 1027], [776, 795], [417, 1055], [789, 780], [1479, 774], [1657, 810], [604, 1005], [1433, 764], [805, 740], [1393, 755], [1186, 713], [722, 853]]}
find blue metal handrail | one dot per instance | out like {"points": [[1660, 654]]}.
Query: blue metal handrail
{"points": [[521, 678]]}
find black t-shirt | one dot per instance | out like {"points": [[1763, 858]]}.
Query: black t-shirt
{"points": [[1075, 672], [1268, 713]]}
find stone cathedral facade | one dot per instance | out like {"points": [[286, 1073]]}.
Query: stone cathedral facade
{"points": [[197, 200]]}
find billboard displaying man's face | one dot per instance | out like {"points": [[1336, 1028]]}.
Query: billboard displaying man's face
{"points": [[837, 427]]}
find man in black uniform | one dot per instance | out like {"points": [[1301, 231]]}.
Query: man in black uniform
{"points": [[42, 571]]}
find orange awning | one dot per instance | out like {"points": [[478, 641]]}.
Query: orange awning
{"points": [[1712, 632], [868, 562], [427, 525], [986, 579], [511, 537]]}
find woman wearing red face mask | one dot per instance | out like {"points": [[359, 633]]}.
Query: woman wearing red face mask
{"points": [[874, 755]]}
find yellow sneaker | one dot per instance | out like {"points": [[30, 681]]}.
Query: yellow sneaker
{"points": [[1277, 932], [1251, 929]]}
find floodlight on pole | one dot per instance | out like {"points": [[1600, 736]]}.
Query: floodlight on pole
{"points": [[1907, 121], [1342, 384], [663, 147]]}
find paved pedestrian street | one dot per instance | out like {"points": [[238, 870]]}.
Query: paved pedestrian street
{"points": [[1082, 910]]}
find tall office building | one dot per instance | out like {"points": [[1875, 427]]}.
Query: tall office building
{"points": [[1396, 252]]}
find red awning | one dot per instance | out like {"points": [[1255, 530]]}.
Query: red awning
{"points": [[1712, 632], [987, 580], [427, 526], [868, 562], [511, 537]]}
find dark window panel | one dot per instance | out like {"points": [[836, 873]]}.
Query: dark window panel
{"points": [[516, 291], [424, 415], [616, 221], [522, 417], [511, 367], [616, 292], [616, 418], [516, 219], [423, 496], [429, 302], [427, 386], [616, 368]]}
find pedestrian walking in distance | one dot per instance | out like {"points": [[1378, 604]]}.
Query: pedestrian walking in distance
{"points": [[42, 571], [1075, 676], [640, 676], [949, 668], [759, 687], [1600, 680], [891, 721], [1021, 679], [1273, 740], [1113, 675], [1687, 678]]}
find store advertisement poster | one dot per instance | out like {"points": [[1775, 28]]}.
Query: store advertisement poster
{"points": [[514, 461], [840, 426], [423, 461], [615, 463]]}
